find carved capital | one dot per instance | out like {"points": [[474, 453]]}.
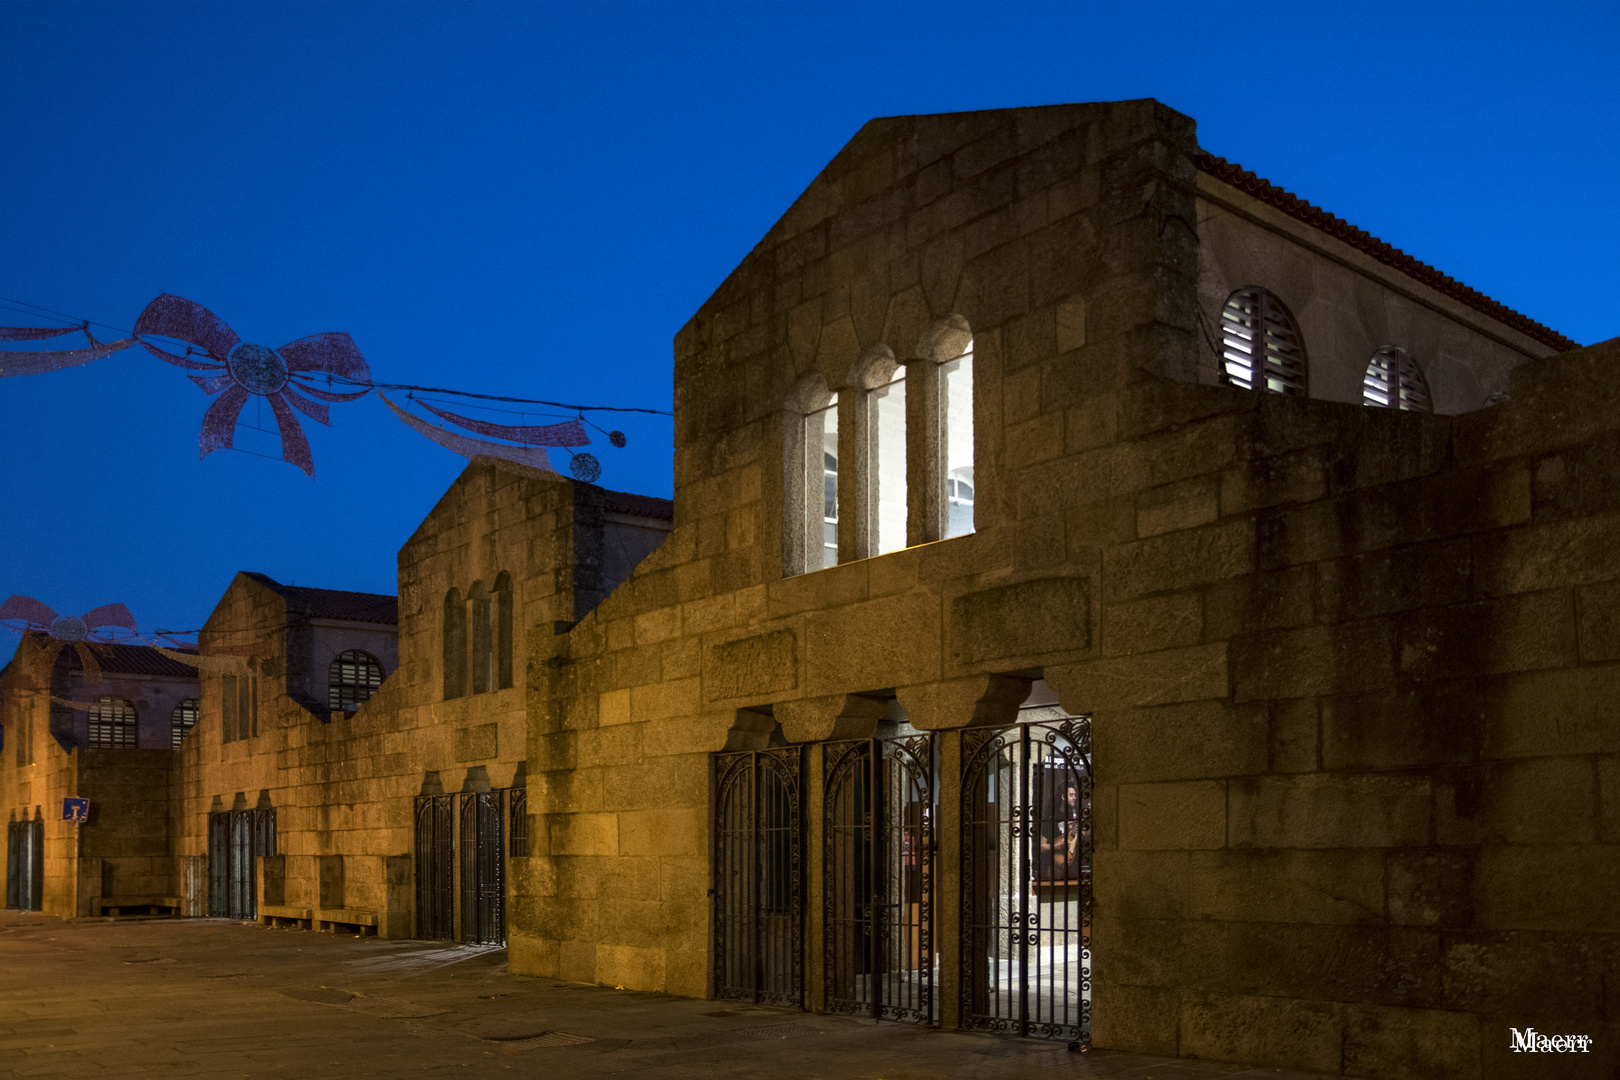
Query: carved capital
{"points": [[970, 702]]}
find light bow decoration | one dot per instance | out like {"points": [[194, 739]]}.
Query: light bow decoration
{"points": [[82, 632], [282, 376], [286, 378]]}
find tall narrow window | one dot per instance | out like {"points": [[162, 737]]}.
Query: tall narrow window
{"points": [[181, 721], [227, 694], [112, 722], [455, 645], [247, 715], [821, 485], [1258, 335], [956, 441], [480, 615], [886, 426], [355, 676], [1394, 381], [503, 630]]}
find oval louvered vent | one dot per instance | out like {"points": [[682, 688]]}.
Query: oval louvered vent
{"points": [[1394, 381], [1255, 326]]}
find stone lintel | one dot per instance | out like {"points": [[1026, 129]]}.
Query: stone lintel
{"points": [[974, 701], [834, 716]]}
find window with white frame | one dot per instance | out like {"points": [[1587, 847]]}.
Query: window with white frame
{"points": [[956, 442], [821, 475]]}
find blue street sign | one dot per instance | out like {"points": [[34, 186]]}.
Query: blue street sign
{"points": [[75, 809]]}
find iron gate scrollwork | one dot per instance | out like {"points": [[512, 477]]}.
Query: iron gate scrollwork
{"points": [[878, 883], [435, 867], [1026, 879], [758, 889]]}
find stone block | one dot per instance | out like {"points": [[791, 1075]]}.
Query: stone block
{"points": [[867, 646], [1527, 801], [1293, 735], [1438, 724], [1140, 1019], [1330, 811], [1403, 579], [1511, 633], [1174, 816], [1556, 982], [659, 625], [1142, 885], [478, 743], [1160, 678], [1423, 1044], [1429, 886], [1185, 504], [1598, 621], [1553, 713], [1090, 424], [1268, 482], [1262, 1031], [751, 666], [1178, 560], [617, 745], [1023, 619], [1092, 526], [584, 834], [1609, 799], [629, 967], [659, 701], [1511, 888], [1159, 622], [1258, 602], [1315, 660], [1547, 556], [1333, 887], [1192, 740]]}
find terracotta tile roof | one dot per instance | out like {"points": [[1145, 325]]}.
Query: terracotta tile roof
{"points": [[1247, 182], [130, 659], [378, 608], [624, 502]]}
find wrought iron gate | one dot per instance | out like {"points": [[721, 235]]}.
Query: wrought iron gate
{"points": [[878, 849], [235, 839], [1026, 879], [25, 865], [758, 867], [483, 883], [435, 867]]}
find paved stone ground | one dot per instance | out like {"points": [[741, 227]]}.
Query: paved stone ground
{"points": [[214, 998]]}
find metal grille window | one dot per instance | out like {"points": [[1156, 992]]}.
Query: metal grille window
{"points": [[757, 866], [1394, 381], [878, 875], [483, 876], [235, 839], [113, 722], [1026, 879], [518, 809], [25, 865], [181, 721], [1259, 335], [355, 676]]}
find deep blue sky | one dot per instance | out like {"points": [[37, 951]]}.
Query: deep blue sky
{"points": [[530, 199]]}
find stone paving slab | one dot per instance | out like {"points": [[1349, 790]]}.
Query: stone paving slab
{"points": [[220, 999]]}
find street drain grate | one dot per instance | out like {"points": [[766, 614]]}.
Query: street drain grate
{"points": [[545, 1038], [778, 1031]]}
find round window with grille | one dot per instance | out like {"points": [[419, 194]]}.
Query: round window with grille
{"points": [[1259, 335], [355, 676], [1394, 381]]}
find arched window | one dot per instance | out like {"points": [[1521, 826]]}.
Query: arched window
{"points": [[181, 721], [480, 617], [886, 465], [113, 722], [809, 477], [503, 630], [455, 645], [956, 441], [1258, 333], [354, 677], [1394, 381]]}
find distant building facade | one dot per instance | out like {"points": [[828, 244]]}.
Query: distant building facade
{"points": [[1105, 598]]}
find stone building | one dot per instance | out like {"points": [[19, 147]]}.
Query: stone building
{"points": [[1044, 483], [105, 734], [1105, 598]]}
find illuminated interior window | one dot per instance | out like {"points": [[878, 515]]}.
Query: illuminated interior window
{"points": [[1257, 332], [1394, 381], [355, 676], [887, 463], [956, 420], [112, 722], [181, 721], [821, 451]]}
